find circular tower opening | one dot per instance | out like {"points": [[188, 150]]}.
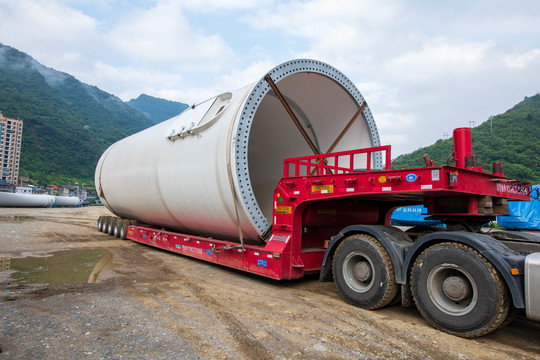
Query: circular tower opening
{"points": [[324, 101]]}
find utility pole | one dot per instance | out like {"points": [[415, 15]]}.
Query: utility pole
{"points": [[471, 123]]}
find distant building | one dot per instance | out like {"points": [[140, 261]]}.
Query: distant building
{"points": [[25, 189], [52, 190], [72, 190], [10, 148], [6, 187]]}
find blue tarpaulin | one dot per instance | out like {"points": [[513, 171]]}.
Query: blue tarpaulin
{"points": [[412, 216], [525, 214]]}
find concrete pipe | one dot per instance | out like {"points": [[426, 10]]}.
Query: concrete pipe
{"points": [[212, 169]]}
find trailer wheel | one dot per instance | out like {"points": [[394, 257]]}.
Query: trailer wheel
{"points": [[363, 272], [116, 227], [458, 291], [512, 314], [122, 232], [104, 223], [100, 223], [110, 225]]}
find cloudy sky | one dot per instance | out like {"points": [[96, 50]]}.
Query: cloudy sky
{"points": [[424, 67]]}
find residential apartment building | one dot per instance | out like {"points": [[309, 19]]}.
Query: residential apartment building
{"points": [[10, 148]]}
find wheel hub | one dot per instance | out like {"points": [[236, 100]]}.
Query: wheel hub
{"points": [[358, 271], [456, 288], [452, 289], [362, 271]]}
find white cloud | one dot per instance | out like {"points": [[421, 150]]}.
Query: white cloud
{"points": [[216, 5], [378, 94], [439, 58], [162, 35], [393, 128], [520, 61], [395, 121], [238, 78], [45, 27], [151, 82], [308, 19], [328, 29]]}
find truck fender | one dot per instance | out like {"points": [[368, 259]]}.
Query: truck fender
{"points": [[503, 258], [395, 241]]}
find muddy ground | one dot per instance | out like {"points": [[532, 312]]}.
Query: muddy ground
{"points": [[71, 292]]}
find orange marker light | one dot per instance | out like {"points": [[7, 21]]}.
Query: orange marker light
{"points": [[514, 271]]}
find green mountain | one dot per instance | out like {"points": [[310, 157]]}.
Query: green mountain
{"points": [[512, 138], [157, 109], [66, 124]]}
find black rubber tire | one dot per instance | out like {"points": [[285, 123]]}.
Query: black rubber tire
{"points": [[116, 227], [474, 312], [100, 223], [512, 314], [104, 224], [123, 229], [363, 272], [110, 225]]}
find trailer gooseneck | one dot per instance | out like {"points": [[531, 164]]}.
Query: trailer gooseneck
{"points": [[331, 218]]}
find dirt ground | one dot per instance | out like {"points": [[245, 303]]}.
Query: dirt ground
{"points": [[71, 292]]}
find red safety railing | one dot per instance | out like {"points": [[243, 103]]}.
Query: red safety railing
{"points": [[327, 164]]}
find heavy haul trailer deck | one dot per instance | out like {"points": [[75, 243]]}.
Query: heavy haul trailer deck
{"points": [[333, 219]]}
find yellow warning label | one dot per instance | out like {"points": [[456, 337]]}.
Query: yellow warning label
{"points": [[283, 210], [382, 179], [325, 189]]}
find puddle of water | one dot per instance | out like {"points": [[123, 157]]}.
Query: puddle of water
{"points": [[16, 218], [60, 267]]}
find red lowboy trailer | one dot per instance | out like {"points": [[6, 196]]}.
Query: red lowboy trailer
{"points": [[332, 219]]}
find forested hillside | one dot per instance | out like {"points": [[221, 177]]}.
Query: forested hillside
{"points": [[157, 109], [512, 137], [67, 124]]}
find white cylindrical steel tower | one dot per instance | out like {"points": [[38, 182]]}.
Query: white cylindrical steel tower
{"points": [[212, 169]]}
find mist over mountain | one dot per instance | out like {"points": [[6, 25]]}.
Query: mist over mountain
{"points": [[67, 124], [157, 109]]}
